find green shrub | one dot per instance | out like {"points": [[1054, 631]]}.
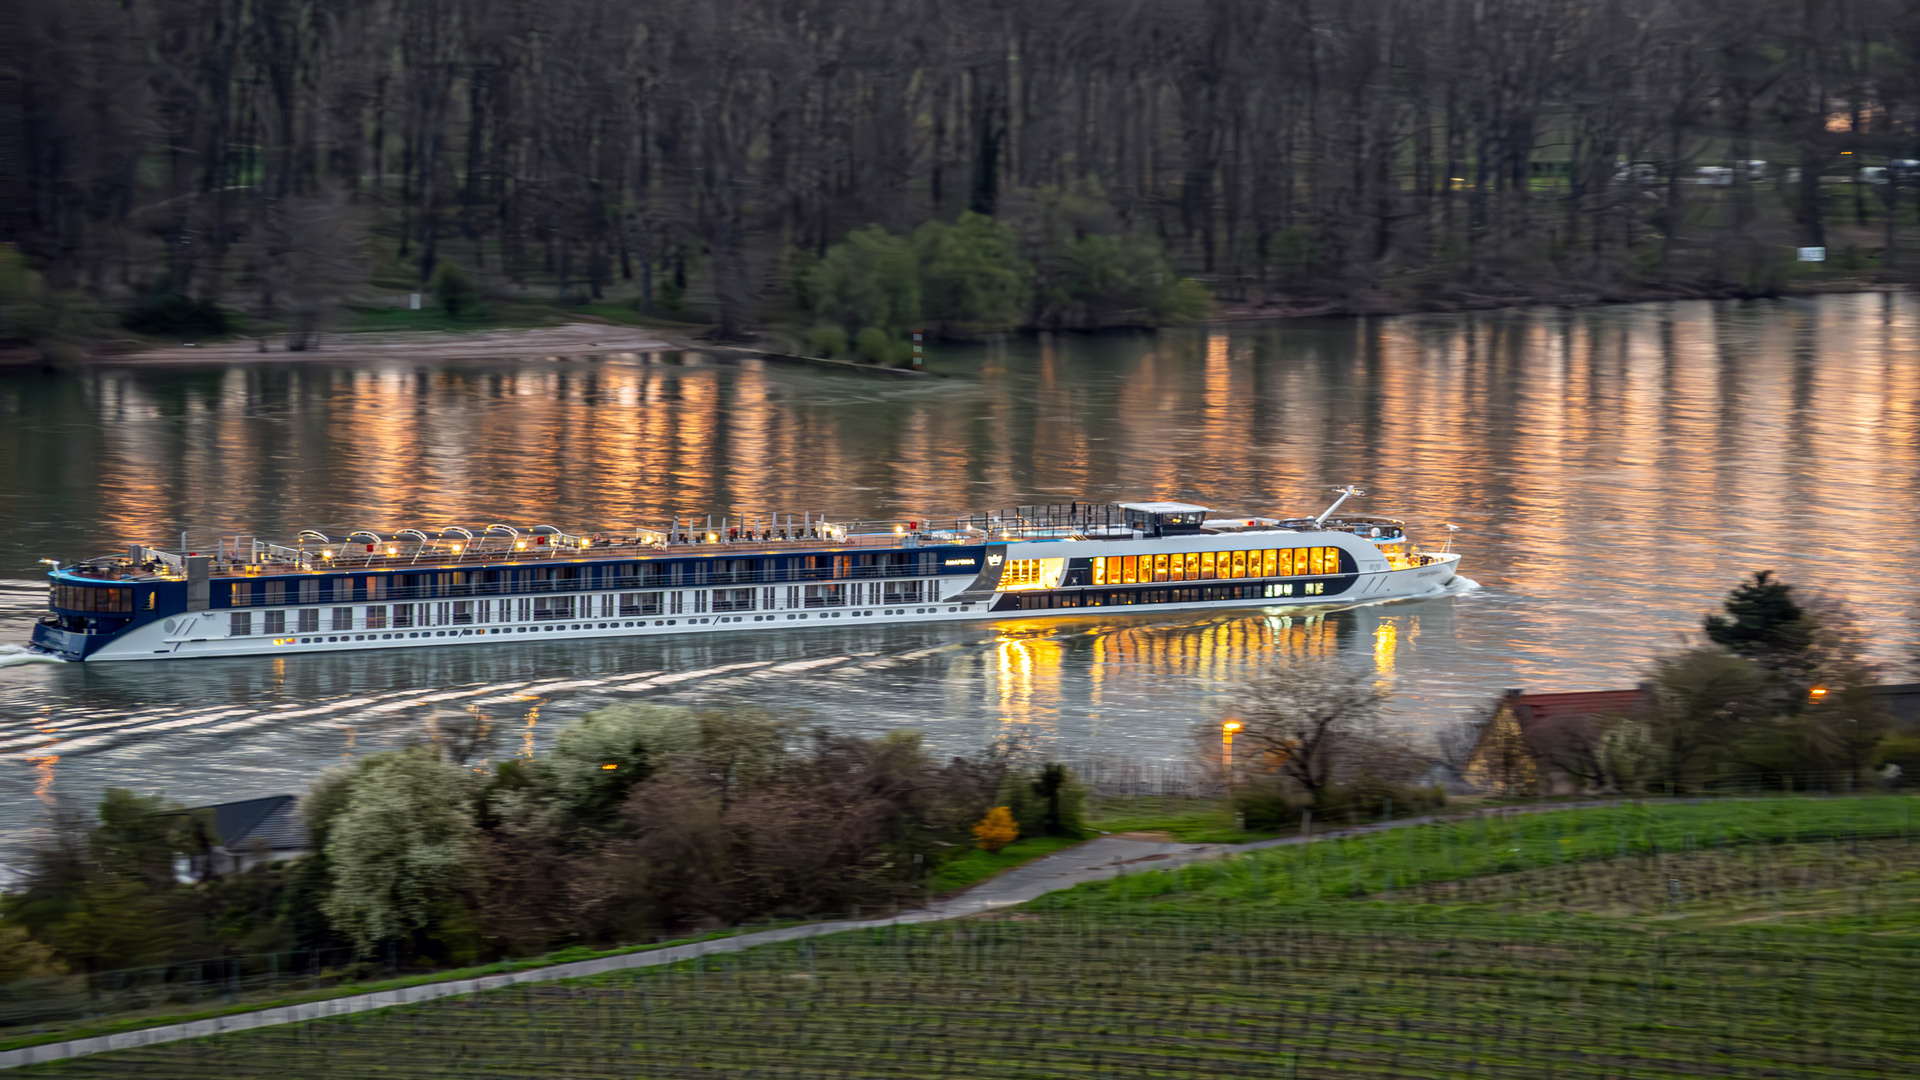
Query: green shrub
{"points": [[869, 279], [454, 290], [874, 345], [829, 341], [1264, 807], [1049, 802], [165, 312], [1367, 799], [1101, 280], [972, 276]]}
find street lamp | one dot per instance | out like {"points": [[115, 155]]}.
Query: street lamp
{"points": [[1226, 747]]}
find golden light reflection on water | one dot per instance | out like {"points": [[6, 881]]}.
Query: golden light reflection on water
{"points": [[1385, 638], [1614, 472]]}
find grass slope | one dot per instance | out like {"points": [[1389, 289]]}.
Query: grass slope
{"points": [[1733, 939]]}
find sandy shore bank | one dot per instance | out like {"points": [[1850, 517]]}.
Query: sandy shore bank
{"points": [[571, 339]]}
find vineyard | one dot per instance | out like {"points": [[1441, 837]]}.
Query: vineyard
{"points": [[1736, 939]]}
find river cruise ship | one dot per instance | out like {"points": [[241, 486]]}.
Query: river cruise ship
{"points": [[417, 588]]}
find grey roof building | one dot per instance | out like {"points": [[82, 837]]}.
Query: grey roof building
{"points": [[251, 832]]}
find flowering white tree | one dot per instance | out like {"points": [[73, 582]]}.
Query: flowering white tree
{"points": [[401, 848]]}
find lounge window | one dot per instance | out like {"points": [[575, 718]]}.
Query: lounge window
{"points": [[733, 599], [1283, 563], [647, 603], [242, 594], [1022, 574], [1206, 565], [1239, 564], [1159, 568], [1100, 570], [276, 623], [377, 618], [1269, 563], [462, 611], [826, 596], [402, 616], [240, 624], [901, 592], [309, 619], [553, 607]]}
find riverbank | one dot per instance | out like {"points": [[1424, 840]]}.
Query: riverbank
{"points": [[1445, 297]]}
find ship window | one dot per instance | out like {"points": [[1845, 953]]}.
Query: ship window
{"points": [[309, 620], [402, 616], [1269, 563], [1159, 568], [240, 624], [1239, 564], [1317, 560], [1100, 571], [150, 599], [309, 591], [462, 611], [376, 618], [242, 594], [342, 618], [276, 623], [376, 588]]}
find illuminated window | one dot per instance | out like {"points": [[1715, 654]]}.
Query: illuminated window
{"points": [[1315, 561], [1130, 571], [242, 594], [1177, 567], [1269, 563], [1159, 568], [1018, 574], [1206, 565], [1100, 571], [1315, 588], [1193, 566], [1239, 564], [376, 618]]}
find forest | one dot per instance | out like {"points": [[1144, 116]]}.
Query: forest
{"points": [[177, 165]]}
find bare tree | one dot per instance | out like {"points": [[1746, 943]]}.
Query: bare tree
{"points": [[1313, 724]]}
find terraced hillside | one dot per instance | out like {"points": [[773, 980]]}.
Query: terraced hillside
{"points": [[1738, 939]]}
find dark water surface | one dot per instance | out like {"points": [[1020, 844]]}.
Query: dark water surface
{"points": [[1612, 472]]}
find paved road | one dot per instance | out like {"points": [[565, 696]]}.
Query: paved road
{"points": [[1096, 860]]}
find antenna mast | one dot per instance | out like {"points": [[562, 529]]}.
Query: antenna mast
{"points": [[1345, 493]]}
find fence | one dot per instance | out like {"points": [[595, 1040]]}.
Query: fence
{"points": [[77, 995]]}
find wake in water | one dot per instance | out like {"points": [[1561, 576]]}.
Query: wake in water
{"points": [[15, 655]]}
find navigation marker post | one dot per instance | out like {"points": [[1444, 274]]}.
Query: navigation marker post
{"points": [[918, 335]]}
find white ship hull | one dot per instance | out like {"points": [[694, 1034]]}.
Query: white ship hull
{"points": [[203, 634]]}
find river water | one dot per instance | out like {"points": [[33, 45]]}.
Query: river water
{"points": [[1612, 473]]}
